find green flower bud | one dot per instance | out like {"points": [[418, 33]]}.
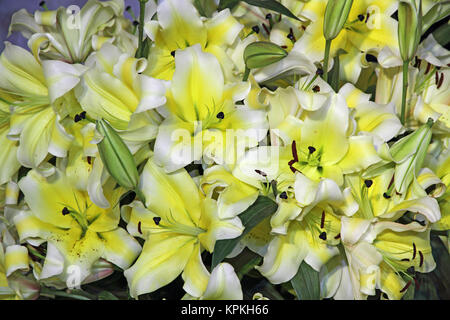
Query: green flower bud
{"points": [[409, 28], [262, 53], [336, 14], [116, 157], [409, 154]]}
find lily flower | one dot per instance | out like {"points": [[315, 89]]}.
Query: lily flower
{"points": [[69, 35], [8, 160], [24, 81], [369, 29], [178, 224], [77, 232], [179, 26], [202, 114], [223, 284]]}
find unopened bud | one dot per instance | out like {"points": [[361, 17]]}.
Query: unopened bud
{"points": [[116, 157], [262, 53], [336, 14], [409, 28]]}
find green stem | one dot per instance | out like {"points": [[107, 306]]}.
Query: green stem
{"points": [[246, 74], [326, 58], [404, 91], [141, 25]]}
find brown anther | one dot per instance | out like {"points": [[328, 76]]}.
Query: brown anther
{"points": [[406, 287], [262, 173], [316, 88], [338, 236], [220, 115], [89, 159], [283, 195], [265, 28], [367, 17], [414, 251], [421, 259], [322, 220], [157, 220], [255, 29], [441, 80], [436, 78], [368, 183], [294, 151], [428, 68], [65, 211], [323, 236], [139, 227]]}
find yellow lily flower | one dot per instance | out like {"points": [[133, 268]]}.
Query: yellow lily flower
{"points": [[206, 121], [369, 28], [69, 35], [115, 90], [8, 159], [77, 232], [24, 82], [178, 223], [179, 26], [223, 284]]}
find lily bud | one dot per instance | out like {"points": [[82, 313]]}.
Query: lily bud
{"points": [[262, 53], [336, 14], [409, 153], [409, 28], [116, 156]]}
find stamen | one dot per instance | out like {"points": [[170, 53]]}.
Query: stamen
{"points": [[371, 58], [322, 220], [172, 53], [157, 220], [311, 149], [220, 115], [386, 196], [265, 28], [414, 251], [338, 236], [283, 195], [406, 287], [405, 259], [255, 29], [291, 36], [83, 115], [411, 270], [65, 211], [77, 118], [368, 183], [262, 173], [294, 151], [323, 236], [436, 78], [284, 47], [428, 68], [135, 23], [89, 160], [316, 88], [319, 71], [441, 80], [139, 227], [360, 17], [421, 259], [367, 17], [268, 16]]}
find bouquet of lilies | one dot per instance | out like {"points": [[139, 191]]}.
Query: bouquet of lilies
{"points": [[253, 149]]}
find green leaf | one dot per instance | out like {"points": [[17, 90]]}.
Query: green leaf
{"points": [[438, 12], [230, 4], [441, 35], [272, 5], [306, 283], [257, 212], [206, 7]]}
